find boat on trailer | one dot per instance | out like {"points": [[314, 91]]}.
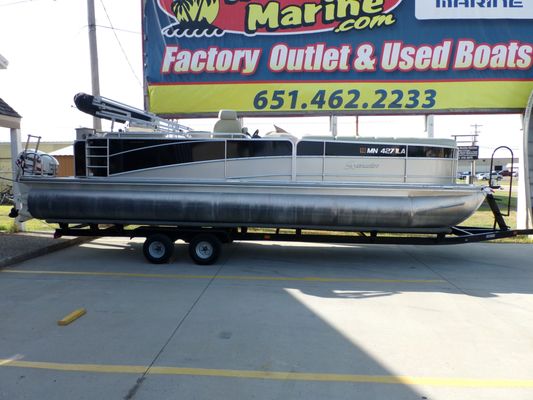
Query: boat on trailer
{"points": [[175, 177]]}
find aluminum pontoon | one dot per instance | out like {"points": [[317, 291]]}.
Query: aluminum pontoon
{"points": [[176, 177]]}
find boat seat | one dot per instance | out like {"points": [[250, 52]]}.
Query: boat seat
{"points": [[228, 122]]}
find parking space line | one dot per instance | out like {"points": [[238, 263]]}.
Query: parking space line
{"points": [[274, 375], [225, 277]]}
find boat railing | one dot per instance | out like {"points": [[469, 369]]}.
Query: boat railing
{"points": [[498, 186], [216, 135], [325, 168]]}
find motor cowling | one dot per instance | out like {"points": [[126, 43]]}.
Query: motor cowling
{"points": [[37, 163]]}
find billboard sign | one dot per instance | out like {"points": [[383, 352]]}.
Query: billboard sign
{"points": [[344, 57], [470, 9]]}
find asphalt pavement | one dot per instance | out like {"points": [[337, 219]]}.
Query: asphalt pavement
{"points": [[270, 321], [22, 246]]}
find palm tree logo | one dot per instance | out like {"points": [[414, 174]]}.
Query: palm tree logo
{"points": [[195, 18]]}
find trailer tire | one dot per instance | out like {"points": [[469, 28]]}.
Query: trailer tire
{"points": [[158, 248], [204, 249]]}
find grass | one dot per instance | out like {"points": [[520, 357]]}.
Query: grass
{"points": [[483, 216], [8, 225]]}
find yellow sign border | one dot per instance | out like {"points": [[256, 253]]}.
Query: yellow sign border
{"points": [[353, 97]]}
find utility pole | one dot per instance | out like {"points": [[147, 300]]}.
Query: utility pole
{"points": [[477, 131], [476, 127], [3, 62], [93, 48]]}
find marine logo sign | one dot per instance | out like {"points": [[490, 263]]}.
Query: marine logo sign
{"points": [[347, 56], [196, 18], [474, 9]]}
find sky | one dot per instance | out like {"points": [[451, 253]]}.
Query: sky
{"points": [[47, 46]]}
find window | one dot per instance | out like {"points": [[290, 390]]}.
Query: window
{"points": [[258, 148], [308, 148], [173, 153]]}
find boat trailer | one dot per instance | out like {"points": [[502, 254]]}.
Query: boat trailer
{"points": [[205, 244]]}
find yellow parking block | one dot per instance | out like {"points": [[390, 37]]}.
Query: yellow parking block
{"points": [[73, 316]]}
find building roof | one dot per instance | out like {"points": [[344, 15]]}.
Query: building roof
{"points": [[65, 151], [9, 118], [6, 110]]}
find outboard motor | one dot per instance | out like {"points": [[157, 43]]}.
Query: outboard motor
{"points": [[36, 163]]}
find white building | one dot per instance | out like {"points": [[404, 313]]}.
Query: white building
{"points": [[483, 164]]}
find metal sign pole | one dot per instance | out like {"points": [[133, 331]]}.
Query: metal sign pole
{"points": [[524, 218], [430, 125], [333, 126]]}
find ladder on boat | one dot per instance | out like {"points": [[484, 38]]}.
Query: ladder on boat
{"points": [[35, 151], [97, 157]]}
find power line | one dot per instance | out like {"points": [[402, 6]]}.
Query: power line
{"points": [[14, 3], [120, 44], [118, 29]]}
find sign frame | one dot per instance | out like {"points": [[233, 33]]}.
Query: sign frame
{"points": [[430, 74], [468, 153]]}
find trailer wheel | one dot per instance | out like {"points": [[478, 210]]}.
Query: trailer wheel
{"points": [[158, 248], [204, 249]]}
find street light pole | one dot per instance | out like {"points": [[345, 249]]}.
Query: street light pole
{"points": [[93, 48]]}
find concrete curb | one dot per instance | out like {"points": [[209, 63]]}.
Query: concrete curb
{"points": [[43, 251]]}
